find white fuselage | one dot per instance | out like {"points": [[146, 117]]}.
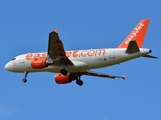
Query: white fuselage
{"points": [[83, 60]]}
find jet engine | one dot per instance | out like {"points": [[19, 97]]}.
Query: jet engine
{"points": [[61, 79], [39, 63]]}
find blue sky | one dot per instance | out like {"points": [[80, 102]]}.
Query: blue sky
{"points": [[24, 27]]}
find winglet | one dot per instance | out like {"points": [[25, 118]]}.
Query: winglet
{"points": [[124, 77], [138, 34], [56, 30]]}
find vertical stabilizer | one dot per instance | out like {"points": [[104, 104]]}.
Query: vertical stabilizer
{"points": [[137, 34]]}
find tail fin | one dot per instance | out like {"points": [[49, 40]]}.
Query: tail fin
{"points": [[137, 34]]}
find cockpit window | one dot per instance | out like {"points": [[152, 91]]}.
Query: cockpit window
{"points": [[14, 59]]}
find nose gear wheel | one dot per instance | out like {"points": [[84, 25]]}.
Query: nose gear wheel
{"points": [[24, 79]]}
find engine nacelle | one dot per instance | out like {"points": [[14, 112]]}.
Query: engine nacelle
{"points": [[38, 63], [61, 79]]}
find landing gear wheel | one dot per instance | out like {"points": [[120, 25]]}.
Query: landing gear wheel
{"points": [[24, 80], [79, 82], [64, 72]]}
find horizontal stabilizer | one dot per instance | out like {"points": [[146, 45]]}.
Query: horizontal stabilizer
{"points": [[149, 56], [132, 47]]}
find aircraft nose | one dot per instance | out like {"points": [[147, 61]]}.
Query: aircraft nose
{"points": [[7, 66]]}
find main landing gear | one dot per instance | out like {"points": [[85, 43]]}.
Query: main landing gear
{"points": [[24, 79], [79, 82], [75, 76]]}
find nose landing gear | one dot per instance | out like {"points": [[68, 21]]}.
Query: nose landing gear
{"points": [[24, 79]]}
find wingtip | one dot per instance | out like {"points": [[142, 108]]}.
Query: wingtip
{"points": [[56, 30], [124, 77]]}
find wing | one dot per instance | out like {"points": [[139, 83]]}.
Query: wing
{"points": [[56, 50], [103, 75]]}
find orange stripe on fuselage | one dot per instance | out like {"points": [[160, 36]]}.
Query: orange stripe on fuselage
{"points": [[74, 54]]}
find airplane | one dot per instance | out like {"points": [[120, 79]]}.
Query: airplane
{"points": [[71, 65]]}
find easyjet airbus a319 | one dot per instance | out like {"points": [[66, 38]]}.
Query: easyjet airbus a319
{"points": [[71, 65]]}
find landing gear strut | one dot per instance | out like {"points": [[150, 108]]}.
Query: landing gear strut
{"points": [[79, 81], [24, 79], [64, 72]]}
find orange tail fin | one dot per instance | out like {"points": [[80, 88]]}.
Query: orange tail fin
{"points": [[137, 34]]}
